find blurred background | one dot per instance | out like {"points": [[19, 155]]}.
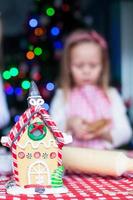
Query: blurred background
{"points": [[33, 34]]}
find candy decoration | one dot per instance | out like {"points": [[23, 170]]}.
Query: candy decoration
{"points": [[21, 155], [52, 155], [37, 131], [37, 126], [37, 154], [56, 177]]}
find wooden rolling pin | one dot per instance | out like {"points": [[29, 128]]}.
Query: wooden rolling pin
{"points": [[102, 162]]}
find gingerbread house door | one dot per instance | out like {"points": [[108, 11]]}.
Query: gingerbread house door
{"points": [[39, 173]]}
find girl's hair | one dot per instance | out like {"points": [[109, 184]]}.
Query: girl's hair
{"points": [[79, 36]]}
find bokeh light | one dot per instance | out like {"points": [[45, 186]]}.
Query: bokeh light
{"points": [[6, 75], [33, 22], [38, 51], [14, 71], [39, 31], [58, 45], [9, 89], [50, 11], [16, 118], [31, 47], [55, 31], [50, 86], [25, 84], [46, 106], [65, 7], [30, 55], [18, 91], [36, 76]]}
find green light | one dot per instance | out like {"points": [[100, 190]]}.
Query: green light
{"points": [[50, 11], [31, 47], [6, 75], [37, 51], [14, 71], [25, 85]]}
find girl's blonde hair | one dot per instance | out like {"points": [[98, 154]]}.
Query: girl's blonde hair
{"points": [[66, 81]]}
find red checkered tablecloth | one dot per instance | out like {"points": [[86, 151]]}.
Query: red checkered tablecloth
{"points": [[82, 187]]}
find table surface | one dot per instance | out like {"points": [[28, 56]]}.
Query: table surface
{"points": [[82, 187]]}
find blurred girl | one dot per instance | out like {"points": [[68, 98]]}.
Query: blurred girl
{"points": [[85, 105]]}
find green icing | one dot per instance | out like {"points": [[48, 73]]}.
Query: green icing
{"points": [[57, 186], [56, 177]]}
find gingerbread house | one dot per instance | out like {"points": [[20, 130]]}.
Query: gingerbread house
{"points": [[36, 146]]}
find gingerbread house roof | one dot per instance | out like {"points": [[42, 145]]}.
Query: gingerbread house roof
{"points": [[15, 132]]}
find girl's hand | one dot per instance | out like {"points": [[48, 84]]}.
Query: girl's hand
{"points": [[78, 126], [104, 133]]}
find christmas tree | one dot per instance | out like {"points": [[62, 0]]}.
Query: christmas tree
{"points": [[38, 52]]}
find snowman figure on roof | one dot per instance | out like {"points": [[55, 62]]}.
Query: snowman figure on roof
{"points": [[36, 146]]}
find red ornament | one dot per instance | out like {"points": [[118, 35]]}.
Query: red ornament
{"points": [[37, 154], [52, 155], [21, 155], [45, 93], [65, 7], [36, 76]]}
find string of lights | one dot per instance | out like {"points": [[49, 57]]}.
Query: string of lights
{"points": [[41, 47]]}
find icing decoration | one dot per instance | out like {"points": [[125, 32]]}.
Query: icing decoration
{"points": [[36, 102], [37, 131], [56, 177], [37, 127], [29, 156], [52, 155], [37, 154], [21, 155], [45, 155], [16, 190], [38, 168], [30, 113], [49, 144]]}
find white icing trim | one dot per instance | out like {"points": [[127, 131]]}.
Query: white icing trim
{"points": [[16, 190], [36, 102], [35, 144], [67, 138], [5, 139], [38, 172], [31, 97]]}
